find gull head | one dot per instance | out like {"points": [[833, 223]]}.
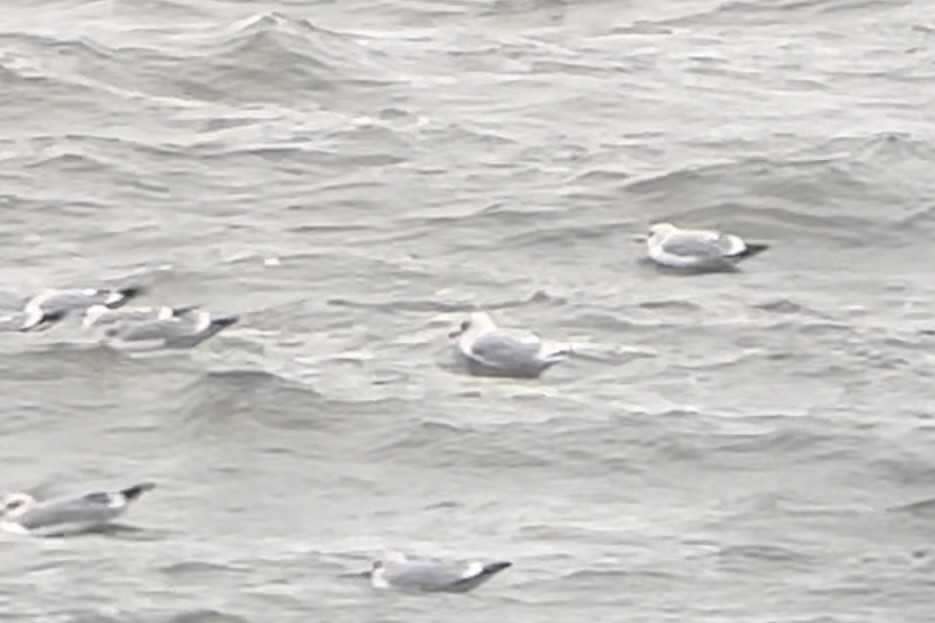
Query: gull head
{"points": [[93, 314], [122, 295], [661, 230], [475, 324], [656, 229], [38, 319], [462, 328], [16, 504], [378, 568]]}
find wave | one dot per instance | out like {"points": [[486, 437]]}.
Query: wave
{"points": [[267, 58], [453, 445], [204, 615], [755, 13], [236, 394], [815, 195], [789, 440], [922, 508], [434, 305], [755, 555], [164, 9]]}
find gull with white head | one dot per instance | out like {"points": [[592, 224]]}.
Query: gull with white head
{"points": [[21, 513], [52, 306], [163, 332], [490, 350], [696, 249], [405, 574]]}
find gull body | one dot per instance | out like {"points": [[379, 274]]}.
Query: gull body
{"points": [[21, 513], [402, 573], [697, 249], [101, 315], [165, 331], [53, 306], [490, 350]]}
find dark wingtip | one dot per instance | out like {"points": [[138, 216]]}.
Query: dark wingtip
{"points": [[45, 323], [496, 567], [131, 493], [132, 291], [225, 320], [118, 297], [755, 248]]}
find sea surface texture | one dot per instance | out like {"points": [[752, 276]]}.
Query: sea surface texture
{"points": [[353, 177]]}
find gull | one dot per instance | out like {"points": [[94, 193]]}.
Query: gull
{"points": [[669, 246], [21, 513], [52, 306], [176, 332], [491, 351], [403, 573], [100, 315]]}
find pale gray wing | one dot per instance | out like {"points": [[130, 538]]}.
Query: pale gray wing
{"points": [[70, 300], [127, 315], [684, 244], [123, 317], [181, 332], [502, 351], [425, 575], [136, 315], [92, 508], [151, 330]]}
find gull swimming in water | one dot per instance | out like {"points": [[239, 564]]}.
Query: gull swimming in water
{"points": [[101, 315], [21, 513], [491, 351], [696, 249], [52, 306], [402, 573], [183, 331]]}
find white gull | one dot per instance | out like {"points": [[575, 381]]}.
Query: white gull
{"points": [[163, 330], [52, 306], [402, 573], [490, 350], [697, 249], [21, 513]]}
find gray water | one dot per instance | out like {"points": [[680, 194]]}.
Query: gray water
{"points": [[753, 447]]}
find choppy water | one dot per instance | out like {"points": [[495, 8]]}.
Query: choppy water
{"points": [[744, 447]]}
